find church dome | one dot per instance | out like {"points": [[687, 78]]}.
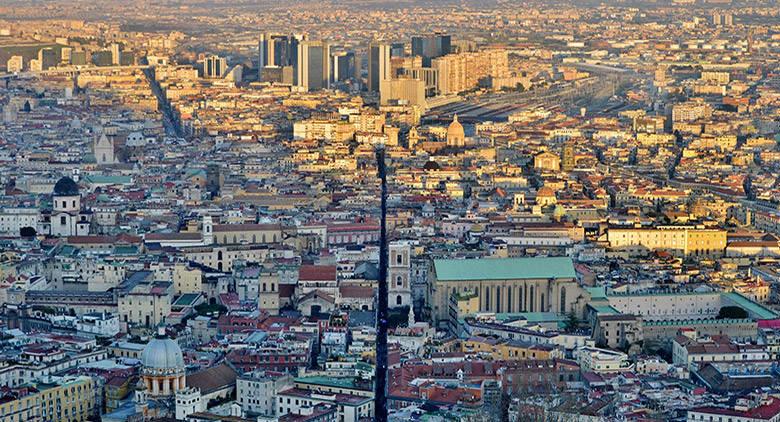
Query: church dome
{"points": [[162, 354], [455, 130], [66, 187], [545, 191]]}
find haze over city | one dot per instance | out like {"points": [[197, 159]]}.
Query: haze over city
{"points": [[364, 210]]}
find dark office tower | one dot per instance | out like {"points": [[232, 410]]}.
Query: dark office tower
{"points": [[431, 47], [313, 65], [342, 66], [397, 49], [101, 58], [48, 57], [214, 67], [378, 65], [278, 50], [78, 58]]}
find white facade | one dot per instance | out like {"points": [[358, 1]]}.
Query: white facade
{"points": [[14, 219], [256, 393], [188, 401], [399, 275]]}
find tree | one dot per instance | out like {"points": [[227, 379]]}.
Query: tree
{"points": [[572, 322], [732, 312], [27, 232]]}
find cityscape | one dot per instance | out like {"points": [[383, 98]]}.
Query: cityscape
{"points": [[410, 210]]}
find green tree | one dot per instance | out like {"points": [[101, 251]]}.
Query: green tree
{"points": [[732, 312]]}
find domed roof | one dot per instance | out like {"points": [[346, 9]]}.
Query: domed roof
{"points": [[545, 191], [66, 187], [431, 165], [162, 353], [455, 128]]}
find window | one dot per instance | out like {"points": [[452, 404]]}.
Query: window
{"points": [[63, 220], [399, 281], [399, 259], [398, 300]]}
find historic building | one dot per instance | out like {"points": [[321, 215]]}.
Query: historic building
{"points": [[66, 218], [540, 284]]}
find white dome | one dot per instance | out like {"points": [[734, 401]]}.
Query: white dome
{"points": [[162, 354]]}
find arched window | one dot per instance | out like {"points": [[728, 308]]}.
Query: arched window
{"points": [[219, 255], [234, 239], [399, 259], [520, 298], [254, 238], [399, 281], [563, 300], [498, 299], [263, 237], [487, 298], [531, 300], [509, 299], [525, 297], [398, 300], [264, 287]]}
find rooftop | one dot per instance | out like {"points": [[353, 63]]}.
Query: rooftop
{"points": [[504, 269]]}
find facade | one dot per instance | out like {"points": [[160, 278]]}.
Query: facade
{"points": [[67, 218], [399, 275], [456, 135], [65, 399], [681, 241], [378, 65], [506, 284], [313, 65]]}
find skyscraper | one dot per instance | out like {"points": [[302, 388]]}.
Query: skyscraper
{"points": [[431, 47], [378, 65], [313, 67], [342, 66], [48, 58], [279, 50], [214, 67]]}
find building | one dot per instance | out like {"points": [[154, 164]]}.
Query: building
{"points": [[757, 407], [15, 64], [48, 58], [465, 71], [214, 67], [547, 161], [431, 47], [162, 368], [540, 284], [343, 66], [680, 241], [690, 351], [313, 65], [402, 91], [399, 274], [67, 218], [67, 399], [456, 135], [378, 65], [256, 391], [567, 157]]}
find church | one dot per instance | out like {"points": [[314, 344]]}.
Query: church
{"points": [[66, 218]]}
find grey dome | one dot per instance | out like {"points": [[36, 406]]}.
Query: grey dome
{"points": [[66, 187], [162, 353]]}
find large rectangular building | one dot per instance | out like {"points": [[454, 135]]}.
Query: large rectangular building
{"points": [[681, 241], [539, 284]]}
